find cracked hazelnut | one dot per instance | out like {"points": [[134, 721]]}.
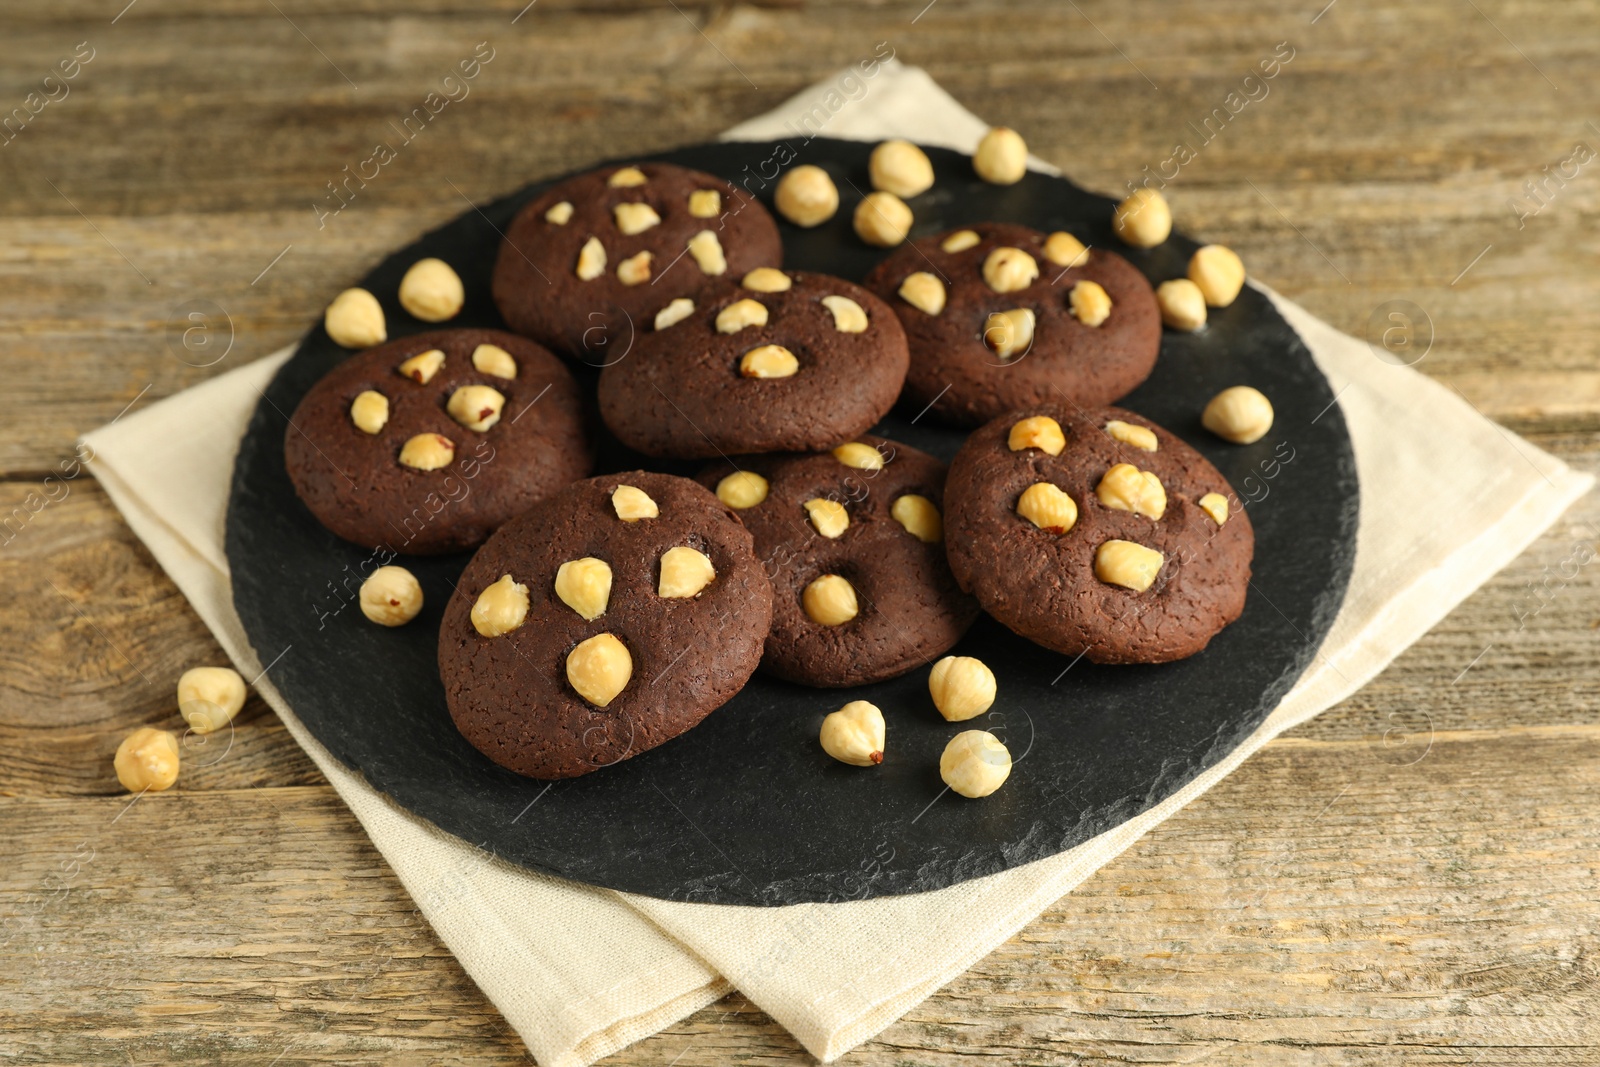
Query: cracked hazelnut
{"points": [[432, 291], [626, 178], [901, 168], [1127, 488], [828, 517], [1065, 250], [848, 316], [975, 763], [632, 504], [882, 219], [674, 313], [705, 203], [923, 291], [1009, 333], [1005, 270], [634, 218], [767, 280], [830, 601], [584, 585], [1240, 414], [559, 214], [427, 452], [500, 608], [962, 687], [1001, 157], [369, 411], [1183, 306], [1129, 434], [1037, 431], [1219, 272], [1048, 508], [741, 313], [806, 196], [391, 596], [920, 517], [1215, 505], [854, 734], [1143, 220], [421, 367], [477, 407], [1130, 565], [591, 260], [1090, 302], [147, 759], [706, 251], [742, 489], [861, 456], [960, 241], [635, 270], [209, 697], [355, 320], [684, 572], [769, 361], [492, 359], [599, 669]]}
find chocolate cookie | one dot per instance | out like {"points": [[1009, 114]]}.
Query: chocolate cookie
{"points": [[428, 443], [1000, 317], [1096, 532], [585, 266], [780, 361], [853, 543], [603, 623]]}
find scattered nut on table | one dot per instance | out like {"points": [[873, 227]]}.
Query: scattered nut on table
{"points": [[882, 219], [635, 270], [962, 687], [1127, 488], [1090, 302], [860, 455], [923, 291], [591, 260], [706, 251], [742, 489], [427, 452], [675, 312], [767, 280], [901, 168], [854, 734], [1037, 431], [632, 504], [500, 608], [431, 290], [741, 313], [769, 361], [391, 596], [369, 411], [1215, 505], [806, 196], [1065, 250], [633, 219], [477, 407], [848, 316], [1128, 564], [626, 178], [1001, 157], [584, 585], [1239, 414], [1183, 305], [1005, 270], [209, 697], [705, 203], [421, 367], [1143, 220], [960, 241], [828, 517], [975, 763], [559, 214], [355, 320], [1009, 333], [919, 516], [1219, 272], [147, 759], [684, 572], [1129, 434], [1048, 507], [600, 668], [830, 600], [492, 359]]}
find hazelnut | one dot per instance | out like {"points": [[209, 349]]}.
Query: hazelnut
{"points": [[427, 452], [767, 280], [147, 759], [848, 316], [962, 687], [741, 313], [1090, 302], [633, 219], [500, 608], [494, 360], [599, 669], [1009, 333], [1006, 270], [1127, 564], [674, 313], [706, 251], [355, 320], [432, 291], [1065, 250], [635, 270], [684, 572], [1037, 431], [960, 241], [1240, 414], [632, 504], [923, 291], [901, 168], [209, 697], [591, 260], [861, 456], [975, 763], [1129, 434], [1127, 488], [421, 367], [742, 489], [806, 196], [769, 361], [882, 219], [705, 203], [1048, 508], [1215, 505], [828, 517], [584, 585], [626, 178], [1183, 307], [559, 214], [1143, 220], [1001, 157], [477, 407], [920, 517], [1219, 272], [369, 411], [391, 596], [830, 601], [854, 734]]}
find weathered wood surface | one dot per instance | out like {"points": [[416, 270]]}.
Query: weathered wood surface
{"points": [[1343, 898]]}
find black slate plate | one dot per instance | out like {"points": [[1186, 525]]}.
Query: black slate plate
{"points": [[746, 808]]}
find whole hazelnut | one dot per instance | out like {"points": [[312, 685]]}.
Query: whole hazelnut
{"points": [[432, 291], [806, 196], [962, 687], [975, 763], [1241, 414], [147, 759], [854, 734], [1001, 157], [355, 320], [391, 596], [209, 697], [901, 168], [1143, 220], [882, 219]]}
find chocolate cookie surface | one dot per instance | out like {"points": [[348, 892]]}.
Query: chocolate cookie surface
{"points": [[584, 266], [426, 444], [1097, 532], [854, 547], [780, 361], [971, 367], [680, 593]]}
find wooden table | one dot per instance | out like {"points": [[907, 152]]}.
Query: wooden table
{"points": [[1409, 878]]}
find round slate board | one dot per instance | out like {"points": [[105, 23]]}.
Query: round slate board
{"points": [[746, 808]]}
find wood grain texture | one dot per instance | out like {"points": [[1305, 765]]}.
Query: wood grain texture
{"points": [[1407, 878]]}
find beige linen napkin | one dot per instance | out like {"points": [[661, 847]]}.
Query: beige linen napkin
{"points": [[581, 972]]}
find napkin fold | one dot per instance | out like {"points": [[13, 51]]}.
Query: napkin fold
{"points": [[581, 972]]}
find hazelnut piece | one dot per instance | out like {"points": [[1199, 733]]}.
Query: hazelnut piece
{"points": [[500, 608], [635, 270], [591, 260], [806, 196], [1037, 431], [477, 407], [584, 585], [975, 763], [960, 241], [632, 504], [848, 316], [432, 291], [920, 517], [767, 280], [742, 489], [962, 687], [1009, 333], [1138, 436], [1001, 157], [626, 178], [1006, 270], [421, 367], [427, 452], [705, 203], [599, 669], [1219, 272], [882, 219], [1240, 414], [494, 360], [391, 596], [769, 361], [1125, 563], [1143, 220], [635, 218], [828, 517], [861, 456], [830, 601], [1065, 250], [1215, 505], [741, 313], [1048, 508], [684, 572], [706, 251], [355, 320], [1127, 488], [369, 411], [1183, 306], [1090, 302], [209, 697], [854, 734], [901, 168], [674, 313], [923, 291], [559, 214], [147, 759]]}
